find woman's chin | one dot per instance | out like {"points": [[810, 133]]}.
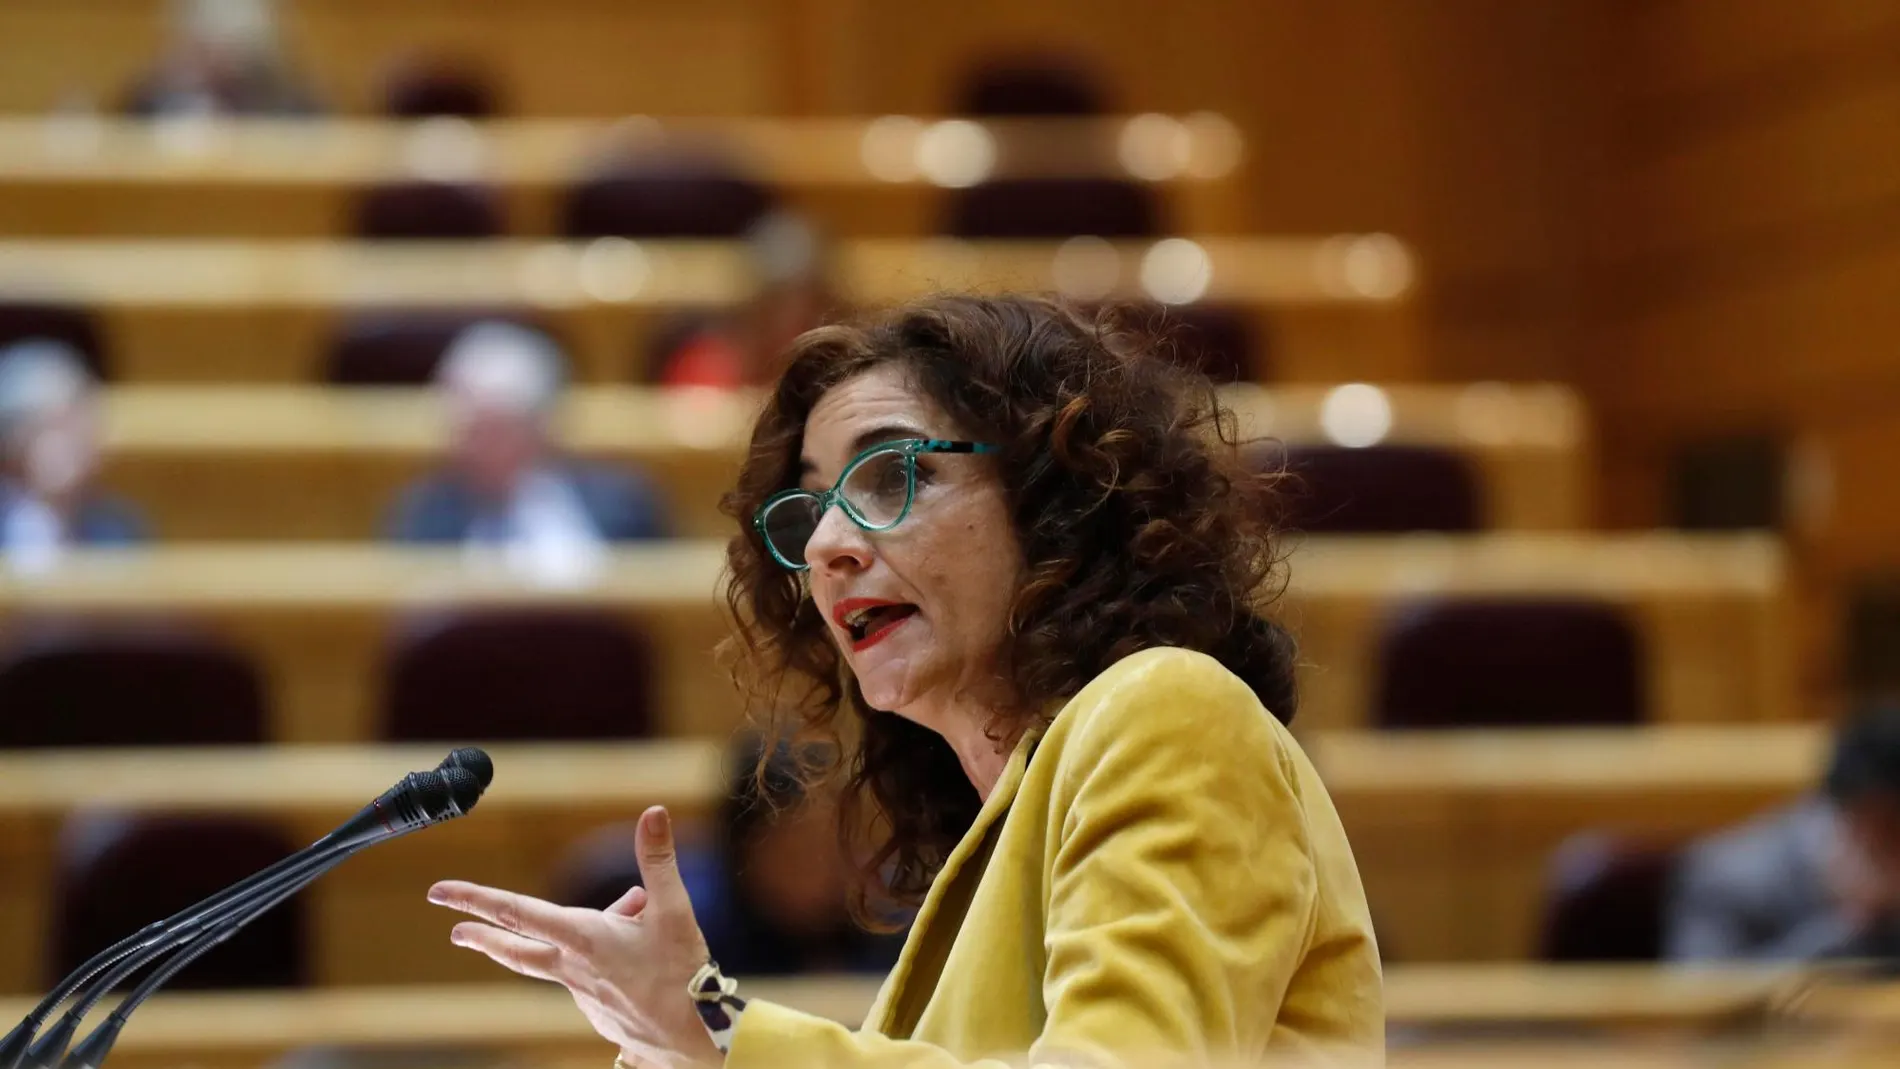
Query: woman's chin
{"points": [[882, 693]]}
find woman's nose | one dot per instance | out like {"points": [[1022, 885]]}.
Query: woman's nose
{"points": [[837, 543]]}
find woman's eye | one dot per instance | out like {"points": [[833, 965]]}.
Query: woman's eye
{"points": [[892, 480]]}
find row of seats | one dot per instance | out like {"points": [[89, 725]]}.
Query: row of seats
{"points": [[404, 347], [573, 675], [490, 676]]}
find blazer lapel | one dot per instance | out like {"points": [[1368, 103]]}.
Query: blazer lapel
{"points": [[892, 996]]}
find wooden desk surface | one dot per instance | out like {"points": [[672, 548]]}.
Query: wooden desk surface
{"points": [[1342, 270], [856, 151], [507, 1014], [686, 573], [1762, 760], [322, 780], [1546, 419], [1655, 761]]}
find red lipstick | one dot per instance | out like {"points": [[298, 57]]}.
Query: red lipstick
{"points": [[873, 629]]}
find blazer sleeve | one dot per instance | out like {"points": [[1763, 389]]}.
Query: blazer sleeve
{"points": [[1182, 890]]}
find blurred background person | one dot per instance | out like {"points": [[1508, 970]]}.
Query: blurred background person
{"points": [[49, 427], [507, 487], [769, 884], [773, 895], [791, 295], [1817, 879], [224, 59]]}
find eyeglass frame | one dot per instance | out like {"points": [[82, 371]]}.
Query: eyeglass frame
{"points": [[909, 448]]}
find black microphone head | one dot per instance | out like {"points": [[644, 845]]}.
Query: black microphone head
{"points": [[473, 758], [425, 797], [462, 787]]}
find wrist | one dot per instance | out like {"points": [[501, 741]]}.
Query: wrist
{"points": [[711, 1058]]}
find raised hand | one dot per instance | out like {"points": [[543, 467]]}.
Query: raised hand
{"points": [[627, 966]]}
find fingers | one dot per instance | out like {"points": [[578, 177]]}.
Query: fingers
{"points": [[529, 957], [520, 914], [631, 903], [659, 863]]}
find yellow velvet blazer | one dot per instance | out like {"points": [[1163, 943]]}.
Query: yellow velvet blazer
{"points": [[1159, 874]]}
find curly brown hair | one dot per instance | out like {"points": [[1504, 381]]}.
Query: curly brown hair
{"points": [[1140, 525]]}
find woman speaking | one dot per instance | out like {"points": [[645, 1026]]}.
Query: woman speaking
{"points": [[1010, 556]]}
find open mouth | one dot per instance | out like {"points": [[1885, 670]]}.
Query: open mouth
{"points": [[869, 621]]}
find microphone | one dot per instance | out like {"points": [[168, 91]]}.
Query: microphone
{"points": [[465, 788], [419, 800], [475, 760]]}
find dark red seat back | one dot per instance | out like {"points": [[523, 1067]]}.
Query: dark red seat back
{"points": [[117, 873], [665, 199], [431, 87], [1508, 662], [519, 675], [1378, 489], [1026, 85], [399, 348], [128, 688], [421, 210], [1217, 340], [1051, 208], [1606, 900]]}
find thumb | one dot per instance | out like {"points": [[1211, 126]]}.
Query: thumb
{"points": [[659, 862], [631, 903]]}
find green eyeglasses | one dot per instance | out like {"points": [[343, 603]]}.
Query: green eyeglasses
{"points": [[875, 491]]}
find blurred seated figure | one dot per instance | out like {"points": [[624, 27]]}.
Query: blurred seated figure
{"points": [[1819, 878], [224, 60], [771, 890], [775, 898], [49, 452], [791, 295], [507, 488]]}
